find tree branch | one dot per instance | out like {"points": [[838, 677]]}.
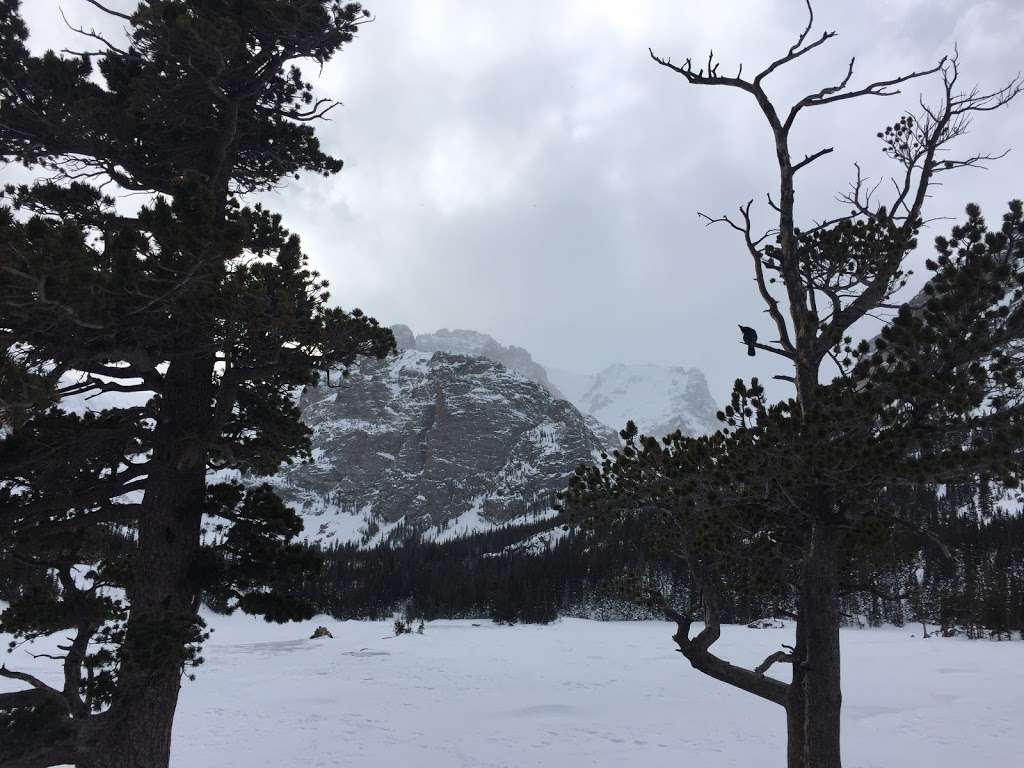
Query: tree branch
{"points": [[696, 650], [109, 11], [766, 348], [779, 657], [37, 685], [877, 88], [808, 159]]}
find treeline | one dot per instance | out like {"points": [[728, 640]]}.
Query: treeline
{"points": [[971, 583], [507, 574], [966, 578]]}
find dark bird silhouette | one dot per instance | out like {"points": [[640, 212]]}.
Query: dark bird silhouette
{"points": [[749, 338]]}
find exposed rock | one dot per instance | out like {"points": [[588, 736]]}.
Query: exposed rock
{"points": [[609, 437], [659, 399], [460, 433], [321, 632], [421, 443], [404, 338], [474, 344]]}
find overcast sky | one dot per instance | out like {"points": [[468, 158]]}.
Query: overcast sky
{"points": [[523, 169]]}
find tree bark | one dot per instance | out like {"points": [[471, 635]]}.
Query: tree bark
{"points": [[796, 711], [817, 666], [136, 731], [820, 620]]}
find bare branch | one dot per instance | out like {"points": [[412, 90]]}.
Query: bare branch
{"points": [[696, 650], [766, 348], [779, 657], [91, 33], [795, 52], [877, 88], [974, 161], [34, 682], [109, 11], [808, 159], [699, 77]]}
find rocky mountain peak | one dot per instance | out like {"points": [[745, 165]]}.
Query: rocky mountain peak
{"points": [[475, 344], [458, 432], [425, 442], [659, 399]]}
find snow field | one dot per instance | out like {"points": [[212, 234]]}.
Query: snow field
{"points": [[572, 694]]}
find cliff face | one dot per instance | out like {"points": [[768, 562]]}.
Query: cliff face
{"points": [[429, 442], [659, 398], [459, 433], [475, 344]]}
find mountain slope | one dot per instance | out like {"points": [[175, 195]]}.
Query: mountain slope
{"points": [[475, 344], [424, 443], [659, 399]]}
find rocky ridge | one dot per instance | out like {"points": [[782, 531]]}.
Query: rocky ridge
{"points": [[458, 433], [432, 443]]}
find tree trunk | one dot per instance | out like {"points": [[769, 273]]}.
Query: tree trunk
{"points": [[819, 620], [796, 711], [136, 731]]}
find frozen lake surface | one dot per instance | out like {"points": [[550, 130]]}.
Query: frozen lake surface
{"points": [[572, 694]]}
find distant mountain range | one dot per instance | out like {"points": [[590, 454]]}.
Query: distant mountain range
{"points": [[658, 399], [459, 433]]}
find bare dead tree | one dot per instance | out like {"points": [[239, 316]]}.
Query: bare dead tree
{"points": [[823, 302], [833, 274]]}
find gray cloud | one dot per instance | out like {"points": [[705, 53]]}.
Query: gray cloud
{"points": [[527, 171]]}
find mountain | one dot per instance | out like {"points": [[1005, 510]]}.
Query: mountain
{"points": [[459, 433], [431, 443], [475, 344], [659, 399]]}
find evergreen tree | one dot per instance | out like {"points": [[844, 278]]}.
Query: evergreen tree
{"points": [[792, 500], [199, 311]]}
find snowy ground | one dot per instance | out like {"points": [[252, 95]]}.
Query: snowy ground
{"points": [[576, 693]]}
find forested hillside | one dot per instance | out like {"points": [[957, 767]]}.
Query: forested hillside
{"points": [[536, 573]]}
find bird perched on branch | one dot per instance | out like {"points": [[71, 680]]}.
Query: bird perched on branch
{"points": [[749, 338]]}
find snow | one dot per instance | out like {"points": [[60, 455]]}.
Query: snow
{"points": [[469, 522], [657, 398], [576, 693], [537, 544], [325, 522], [472, 521]]}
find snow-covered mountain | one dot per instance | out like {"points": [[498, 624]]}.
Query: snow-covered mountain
{"points": [[659, 399], [475, 344], [432, 444], [459, 433]]}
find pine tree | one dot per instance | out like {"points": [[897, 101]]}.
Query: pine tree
{"points": [[789, 500], [199, 311]]}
